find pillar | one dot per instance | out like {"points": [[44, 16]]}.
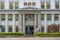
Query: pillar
{"points": [[20, 23], [39, 22], [24, 23], [6, 25], [45, 25], [13, 27]]}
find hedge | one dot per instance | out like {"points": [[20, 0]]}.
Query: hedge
{"points": [[39, 34], [4, 34]]}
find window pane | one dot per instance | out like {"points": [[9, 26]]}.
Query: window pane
{"points": [[57, 5], [29, 17], [2, 5], [17, 29], [33, 4], [10, 17], [42, 16], [42, 5], [3, 17], [11, 5], [3, 28], [29, 4], [56, 17], [17, 17], [25, 4], [16, 5], [49, 17], [10, 28], [48, 5], [42, 28]]}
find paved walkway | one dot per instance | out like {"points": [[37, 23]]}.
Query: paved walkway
{"points": [[31, 38]]}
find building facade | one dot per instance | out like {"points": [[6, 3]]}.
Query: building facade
{"points": [[29, 16]]}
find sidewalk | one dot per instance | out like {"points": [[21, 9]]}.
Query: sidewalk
{"points": [[30, 38]]}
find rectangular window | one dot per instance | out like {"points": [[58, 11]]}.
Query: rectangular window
{"points": [[17, 28], [42, 28], [42, 16], [33, 4], [3, 28], [49, 17], [29, 4], [10, 17], [17, 17], [3, 17], [56, 17], [48, 5], [10, 28], [57, 5], [42, 5], [25, 3], [11, 5], [16, 5], [2, 5]]}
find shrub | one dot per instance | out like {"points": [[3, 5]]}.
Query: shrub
{"points": [[12, 34], [47, 34]]}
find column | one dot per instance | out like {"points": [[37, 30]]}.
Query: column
{"points": [[52, 2], [20, 23], [24, 23], [59, 22], [35, 23], [13, 27], [45, 5], [6, 4], [45, 25], [52, 18], [6, 25], [39, 22]]}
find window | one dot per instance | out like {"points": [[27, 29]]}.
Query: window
{"points": [[11, 5], [29, 17], [33, 3], [42, 16], [29, 4], [17, 17], [49, 17], [57, 5], [16, 5], [56, 17], [17, 29], [10, 28], [48, 5], [25, 3], [42, 28], [3, 17], [42, 5], [2, 5], [10, 17], [3, 28]]}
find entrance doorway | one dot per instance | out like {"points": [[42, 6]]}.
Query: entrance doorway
{"points": [[29, 30]]}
